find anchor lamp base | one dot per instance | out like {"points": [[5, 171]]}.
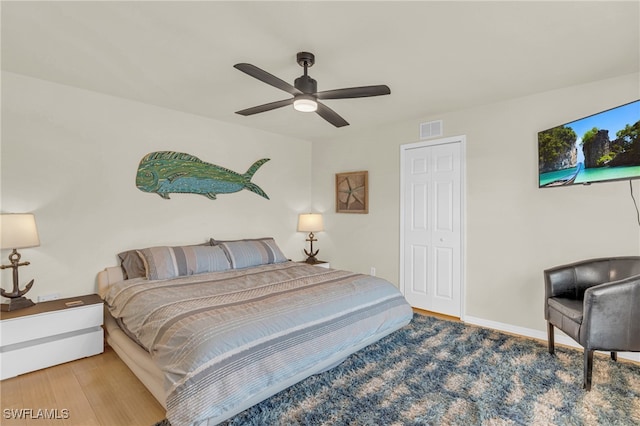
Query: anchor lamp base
{"points": [[15, 304]]}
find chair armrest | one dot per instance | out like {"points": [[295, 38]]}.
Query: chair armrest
{"points": [[611, 319], [560, 281]]}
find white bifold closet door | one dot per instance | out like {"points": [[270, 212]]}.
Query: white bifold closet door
{"points": [[431, 252]]}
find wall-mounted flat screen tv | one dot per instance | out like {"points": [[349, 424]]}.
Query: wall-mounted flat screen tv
{"points": [[598, 148]]}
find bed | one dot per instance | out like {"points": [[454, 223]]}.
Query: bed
{"points": [[213, 329]]}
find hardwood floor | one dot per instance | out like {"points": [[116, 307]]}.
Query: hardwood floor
{"points": [[99, 390], [436, 315]]}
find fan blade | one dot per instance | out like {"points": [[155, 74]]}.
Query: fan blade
{"points": [[265, 107], [330, 115], [265, 77], [354, 92]]}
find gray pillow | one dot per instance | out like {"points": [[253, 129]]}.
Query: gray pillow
{"points": [[246, 253], [163, 263], [133, 266]]}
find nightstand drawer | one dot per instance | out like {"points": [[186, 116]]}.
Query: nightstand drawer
{"points": [[38, 326], [30, 356]]}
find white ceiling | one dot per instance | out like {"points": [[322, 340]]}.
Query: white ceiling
{"points": [[435, 56]]}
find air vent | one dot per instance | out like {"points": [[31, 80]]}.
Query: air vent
{"points": [[430, 129]]}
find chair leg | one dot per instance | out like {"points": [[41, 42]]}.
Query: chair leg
{"points": [[550, 337], [588, 366], [614, 356]]}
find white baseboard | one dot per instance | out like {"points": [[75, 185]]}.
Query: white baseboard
{"points": [[560, 337]]}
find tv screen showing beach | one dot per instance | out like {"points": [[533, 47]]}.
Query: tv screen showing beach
{"points": [[598, 148]]}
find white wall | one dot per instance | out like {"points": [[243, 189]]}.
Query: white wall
{"points": [[514, 230], [70, 156]]}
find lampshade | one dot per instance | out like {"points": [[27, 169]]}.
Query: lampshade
{"points": [[310, 222], [305, 103], [18, 230]]}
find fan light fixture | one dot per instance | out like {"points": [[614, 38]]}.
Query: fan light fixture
{"points": [[305, 103]]}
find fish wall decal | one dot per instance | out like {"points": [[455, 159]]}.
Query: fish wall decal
{"points": [[165, 172]]}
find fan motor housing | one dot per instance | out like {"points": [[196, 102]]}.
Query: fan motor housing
{"points": [[306, 84]]}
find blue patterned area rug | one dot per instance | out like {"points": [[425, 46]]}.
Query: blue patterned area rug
{"points": [[435, 372]]}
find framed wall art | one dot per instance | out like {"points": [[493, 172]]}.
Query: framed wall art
{"points": [[352, 192]]}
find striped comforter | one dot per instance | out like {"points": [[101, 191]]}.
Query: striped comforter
{"points": [[222, 338]]}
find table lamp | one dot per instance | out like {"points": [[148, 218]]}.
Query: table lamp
{"points": [[17, 231], [310, 222]]}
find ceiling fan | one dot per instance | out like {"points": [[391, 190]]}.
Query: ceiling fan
{"points": [[305, 92]]}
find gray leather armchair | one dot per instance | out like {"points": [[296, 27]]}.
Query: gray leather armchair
{"points": [[597, 303]]}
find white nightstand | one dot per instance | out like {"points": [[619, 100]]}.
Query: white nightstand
{"points": [[50, 333], [320, 263]]}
